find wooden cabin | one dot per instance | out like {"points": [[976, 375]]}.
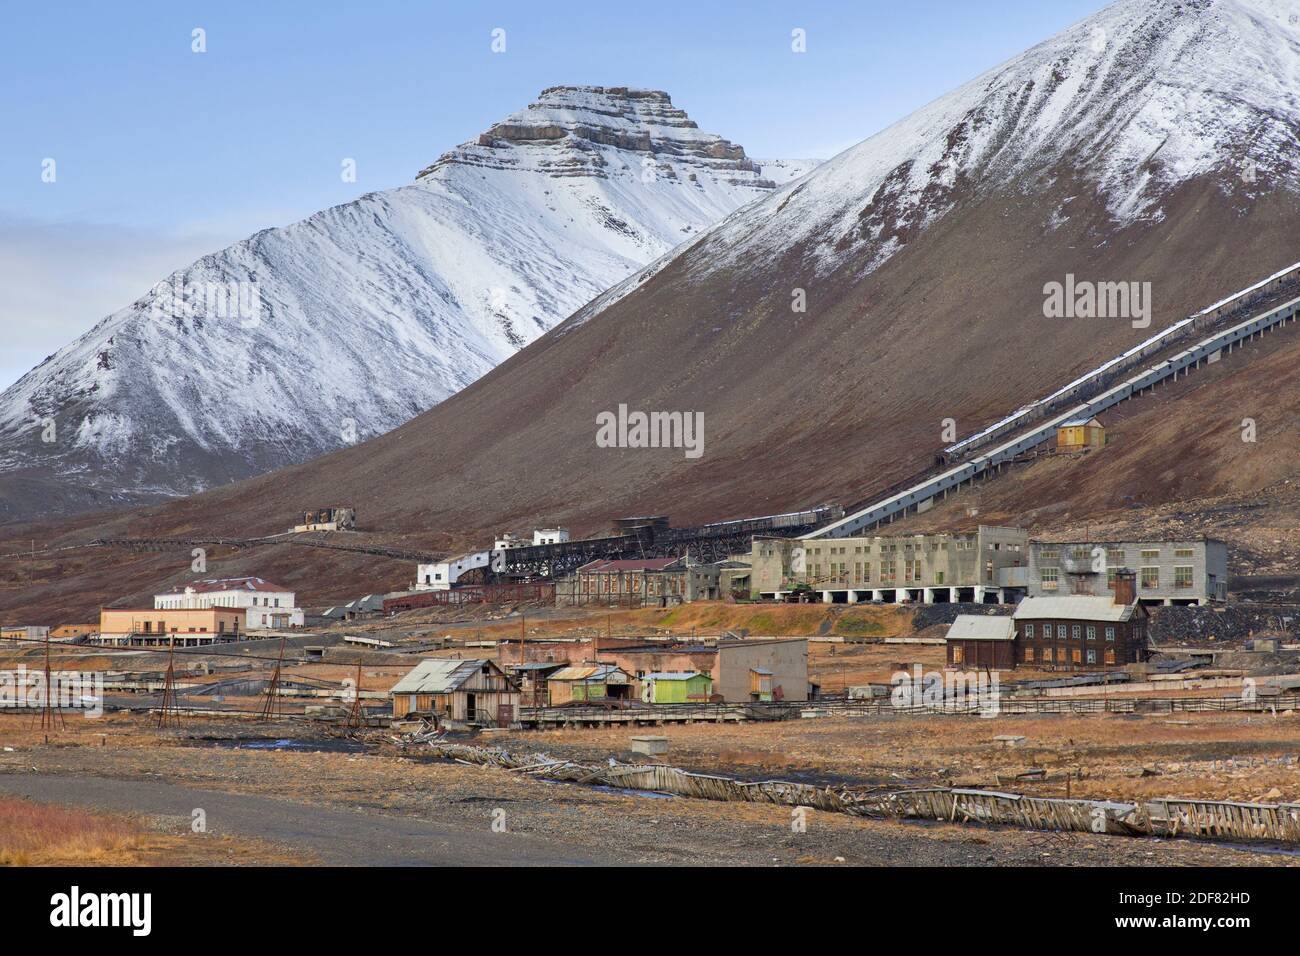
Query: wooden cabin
{"points": [[981, 642], [1079, 434], [589, 683], [457, 691]]}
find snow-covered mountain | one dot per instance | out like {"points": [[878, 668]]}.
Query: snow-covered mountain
{"points": [[304, 338], [1123, 107], [828, 332]]}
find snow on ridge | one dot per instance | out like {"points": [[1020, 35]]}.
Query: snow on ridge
{"points": [[370, 311], [1137, 98]]}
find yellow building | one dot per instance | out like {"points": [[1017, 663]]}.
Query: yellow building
{"points": [[1079, 434], [159, 627]]}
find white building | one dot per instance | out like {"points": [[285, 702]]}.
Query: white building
{"points": [[506, 541], [444, 574], [268, 605], [550, 535]]}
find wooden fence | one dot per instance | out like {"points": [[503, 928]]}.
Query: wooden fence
{"points": [[1165, 817]]}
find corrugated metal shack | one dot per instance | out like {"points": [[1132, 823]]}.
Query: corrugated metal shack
{"points": [[458, 691]]}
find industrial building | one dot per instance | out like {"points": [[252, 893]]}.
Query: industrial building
{"points": [[1168, 572], [648, 582], [982, 566]]}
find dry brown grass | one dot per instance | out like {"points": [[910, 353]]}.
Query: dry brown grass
{"points": [[32, 834]]}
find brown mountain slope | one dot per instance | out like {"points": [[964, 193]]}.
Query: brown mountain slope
{"points": [[1163, 154]]}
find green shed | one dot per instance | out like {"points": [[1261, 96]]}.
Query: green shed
{"points": [[676, 687]]}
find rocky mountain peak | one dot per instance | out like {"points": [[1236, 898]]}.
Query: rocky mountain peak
{"points": [[573, 131]]}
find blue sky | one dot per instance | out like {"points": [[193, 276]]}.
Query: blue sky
{"points": [[163, 154]]}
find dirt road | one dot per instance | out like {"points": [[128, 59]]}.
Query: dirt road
{"points": [[323, 834]]}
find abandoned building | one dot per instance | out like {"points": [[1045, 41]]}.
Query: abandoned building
{"points": [[1168, 572], [163, 627], [588, 683], [983, 566], [267, 606], [741, 670], [676, 687], [650, 582], [1081, 630], [1079, 434], [981, 642], [457, 692]]}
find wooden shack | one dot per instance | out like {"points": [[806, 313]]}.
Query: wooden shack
{"points": [[981, 642], [457, 691], [1078, 434]]}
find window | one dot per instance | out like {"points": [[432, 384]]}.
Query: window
{"points": [[1075, 631], [1110, 655], [1049, 578], [1029, 631], [1092, 632], [1183, 553], [1110, 634], [1151, 555], [1026, 654], [1115, 557], [1150, 578], [1183, 577], [1049, 554], [1076, 656], [1060, 631], [1092, 655]]}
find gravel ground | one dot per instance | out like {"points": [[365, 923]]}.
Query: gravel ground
{"points": [[562, 822]]}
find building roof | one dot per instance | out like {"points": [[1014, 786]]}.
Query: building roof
{"points": [[981, 627], [674, 675], [597, 672], [536, 666], [630, 564], [438, 676], [227, 584], [1081, 420], [1076, 607]]}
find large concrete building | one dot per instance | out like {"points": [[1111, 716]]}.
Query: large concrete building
{"points": [[1168, 572], [266, 606], [182, 627], [982, 566]]}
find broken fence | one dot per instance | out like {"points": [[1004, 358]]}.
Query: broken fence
{"points": [[1165, 817]]}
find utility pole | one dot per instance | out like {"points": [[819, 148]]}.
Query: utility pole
{"points": [[354, 718], [270, 709], [48, 710], [170, 712]]}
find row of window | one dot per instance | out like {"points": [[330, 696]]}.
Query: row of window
{"points": [[1114, 556], [888, 572], [1076, 631], [1074, 655], [1148, 577]]}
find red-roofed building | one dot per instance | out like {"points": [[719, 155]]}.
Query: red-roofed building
{"points": [[267, 605]]}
